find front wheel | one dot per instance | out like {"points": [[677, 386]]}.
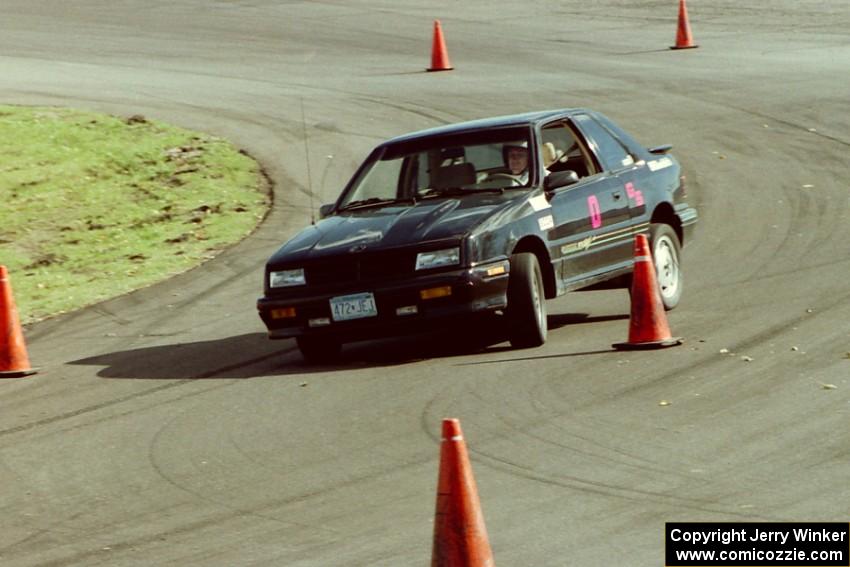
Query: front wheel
{"points": [[526, 313], [667, 253]]}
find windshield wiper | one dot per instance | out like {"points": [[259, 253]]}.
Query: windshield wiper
{"points": [[459, 191], [375, 201]]}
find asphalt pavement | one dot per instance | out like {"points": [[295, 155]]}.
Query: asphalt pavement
{"points": [[165, 429]]}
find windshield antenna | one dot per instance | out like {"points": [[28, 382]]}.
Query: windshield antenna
{"points": [[307, 156]]}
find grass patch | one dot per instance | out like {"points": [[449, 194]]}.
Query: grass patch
{"points": [[93, 206]]}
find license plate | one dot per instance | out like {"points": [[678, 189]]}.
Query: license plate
{"points": [[355, 306]]}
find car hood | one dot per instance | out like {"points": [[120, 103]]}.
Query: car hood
{"points": [[393, 226]]}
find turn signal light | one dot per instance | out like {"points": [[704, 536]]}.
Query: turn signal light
{"points": [[435, 292]]}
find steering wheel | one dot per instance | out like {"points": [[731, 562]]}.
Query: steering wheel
{"points": [[514, 181]]}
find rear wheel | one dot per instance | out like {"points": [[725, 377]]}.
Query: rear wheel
{"points": [[526, 313], [667, 253], [319, 350]]}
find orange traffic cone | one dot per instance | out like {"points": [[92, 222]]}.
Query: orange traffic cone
{"points": [[460, 538], [683, 33], [648, 324], [439, 55], [14, 361]]}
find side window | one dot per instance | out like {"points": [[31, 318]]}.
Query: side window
{"points": [[486, 156], [611, 153], [561, 151]]}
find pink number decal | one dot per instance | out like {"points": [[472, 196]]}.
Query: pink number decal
{"points": [[634, 194], [595, 211]]}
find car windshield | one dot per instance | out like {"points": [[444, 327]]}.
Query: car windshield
{"points": [[455, 165]]}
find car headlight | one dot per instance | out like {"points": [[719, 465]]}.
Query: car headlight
{"points": [[287, 278], [438, 258]]}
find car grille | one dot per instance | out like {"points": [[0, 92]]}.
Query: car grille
{"points": [[360, 268]]}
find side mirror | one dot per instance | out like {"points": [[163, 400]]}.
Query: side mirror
{"points": [[558, 179], [325, 210]]}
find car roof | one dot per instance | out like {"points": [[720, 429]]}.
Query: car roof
{"points": [[524, 119]]}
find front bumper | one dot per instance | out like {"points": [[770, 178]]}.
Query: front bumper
{"points": [[400, 306], [688, 216]]}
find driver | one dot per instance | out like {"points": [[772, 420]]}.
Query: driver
{"points": [[515, 156]]}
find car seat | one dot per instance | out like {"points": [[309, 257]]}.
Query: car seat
{"points": [[456, 175]]}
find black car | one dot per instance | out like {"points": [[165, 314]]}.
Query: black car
{"points": [[446, 223]]}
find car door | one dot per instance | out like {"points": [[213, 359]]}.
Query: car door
{"points": [[619, 168], [635, 178], [592, 221]]}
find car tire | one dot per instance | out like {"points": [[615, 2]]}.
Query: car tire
{"points": [[667, 254], [319, 350], [526, 313]]}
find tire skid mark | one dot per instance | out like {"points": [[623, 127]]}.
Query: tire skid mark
{"points": [[528, 426], [789, 272], [236, 511], [606, 454], [217, 519], [796, 215], [764, 336], [612, 490], [411, 108], [150, 391], [609, 489], [571, 482], [802, 201], [577, 483], [647, 465], [790, 124], [27, 540]]}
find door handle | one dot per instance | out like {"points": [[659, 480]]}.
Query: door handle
{"points": [[617, 195]]}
